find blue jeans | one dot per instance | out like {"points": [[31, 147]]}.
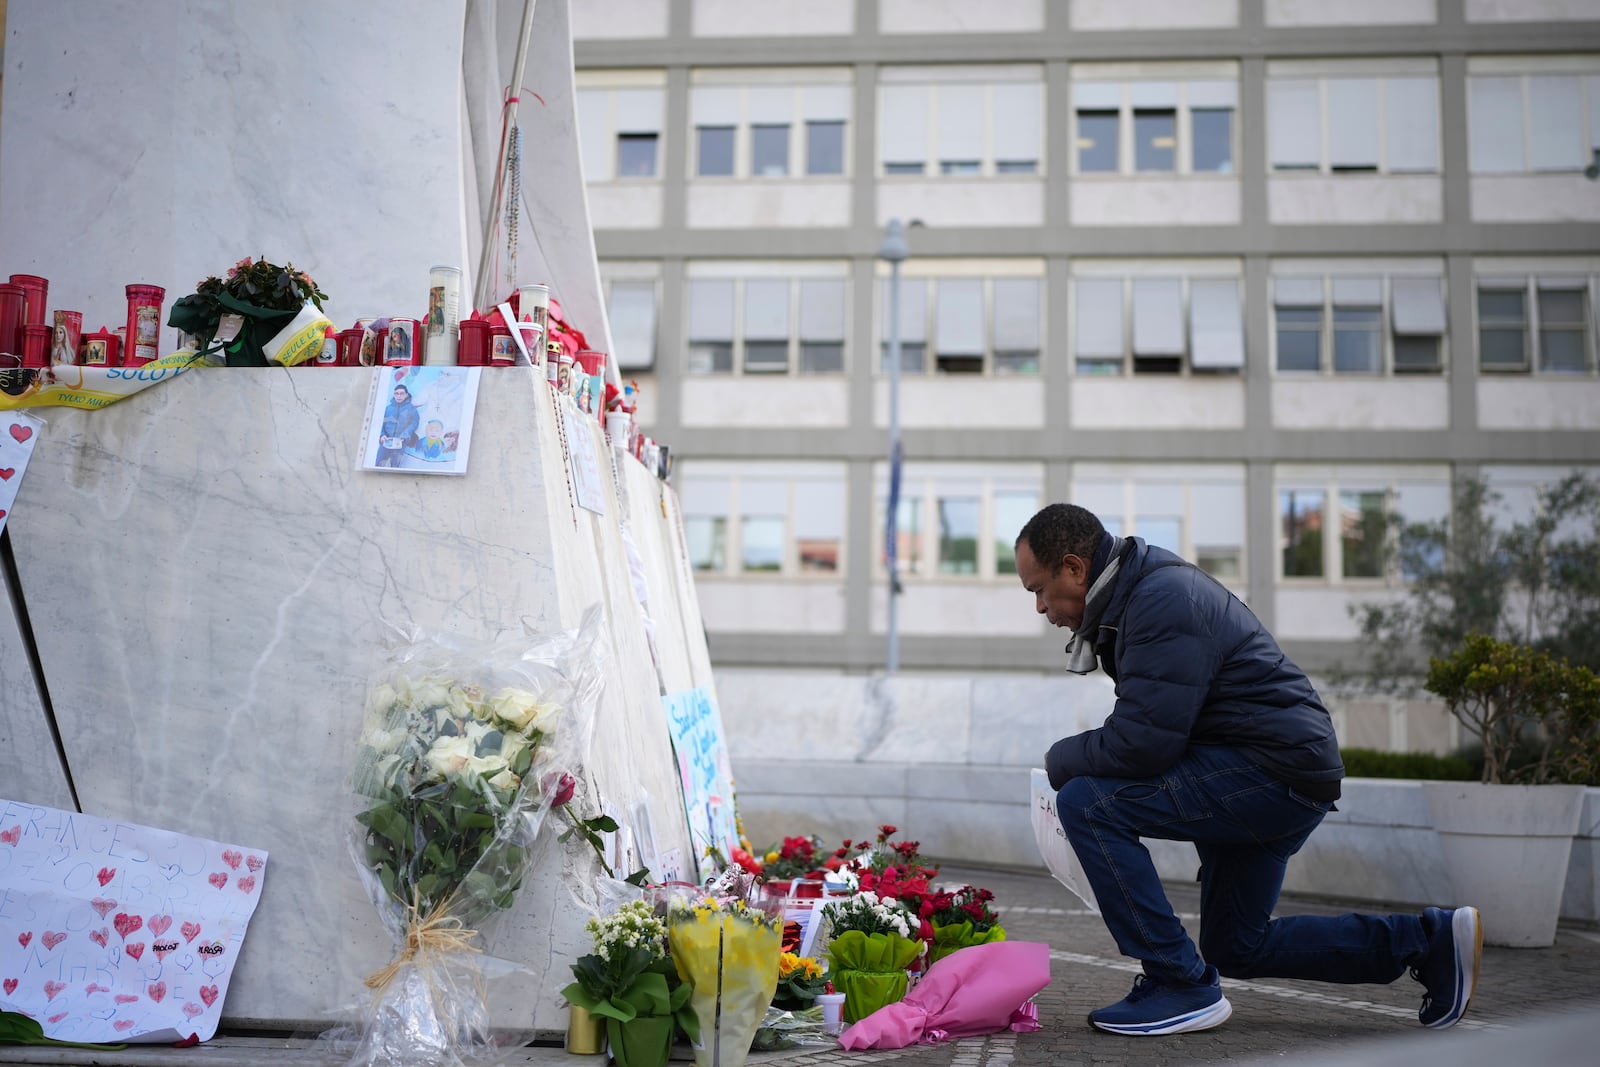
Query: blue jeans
{"points": [[1245, 824]]}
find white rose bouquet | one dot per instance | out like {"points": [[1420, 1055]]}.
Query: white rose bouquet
{"points": [[463, 751]]}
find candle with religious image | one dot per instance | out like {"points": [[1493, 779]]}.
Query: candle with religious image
{"points": [[101, 349], [444, 316], [402, 343], [141, 338], [66, 336], [328, 354], [533, 305], [552, 363]]}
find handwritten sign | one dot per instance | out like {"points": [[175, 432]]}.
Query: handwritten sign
{"points": [[703, 767], [1053, 844], [18, 434], [113, 932]]}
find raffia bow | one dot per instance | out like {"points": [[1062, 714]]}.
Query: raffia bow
{"points": [[437, 932]]}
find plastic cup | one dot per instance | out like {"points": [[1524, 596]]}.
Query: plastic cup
{"points": [[832, 1005]]}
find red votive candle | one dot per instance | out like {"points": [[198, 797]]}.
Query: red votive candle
{"points": [[142, 339], [35, 290], [474, 348], [35, 344], [13, 299], [101, 349]]}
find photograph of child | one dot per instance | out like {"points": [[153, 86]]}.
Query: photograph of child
{"points": [[420, 419]]}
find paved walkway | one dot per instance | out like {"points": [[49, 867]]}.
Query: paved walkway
{"points": [[1533, 1006]]}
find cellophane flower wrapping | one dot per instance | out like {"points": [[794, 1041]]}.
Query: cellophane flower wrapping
{"points": [[869, 947], [461, 754], [725, 943], [950, 937]]}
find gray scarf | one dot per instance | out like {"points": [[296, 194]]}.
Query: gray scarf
{"points": [[1080, 650]]}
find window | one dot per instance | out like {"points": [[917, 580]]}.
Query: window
{"points": [[1173, 127], [1541, 323], [763, 130], [1196, 511], [631, 311], [825, 147], [636, 155], [1157, 325], [710, 327], [959, 128], [1375, 507], [1300, 539], [975, 512], [1335, 324], [763, 519], [977, 325], [619, 129], [1354, 124], [1533, 122], [714, 151], [785, 325]]}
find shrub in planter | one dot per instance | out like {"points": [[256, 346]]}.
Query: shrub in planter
{"points": [[1508, 695], [1422, 766]]}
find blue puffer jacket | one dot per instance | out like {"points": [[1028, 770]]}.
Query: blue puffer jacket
{"points": [[1194, 666]]}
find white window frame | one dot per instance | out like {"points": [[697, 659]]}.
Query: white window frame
{"points": [[1126, 479], [635, 274], [1186, 276], [1528, 285], [751, 92], [1331, 482], [603, 87], [1325, 165], [1185, 90], [929, 482], [930, 283], [958, 80], [1386, 330], [792, 476], [1588, 124], [708, 272]]}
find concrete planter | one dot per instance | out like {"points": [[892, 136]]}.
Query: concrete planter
{"points": [[1507, 848]]}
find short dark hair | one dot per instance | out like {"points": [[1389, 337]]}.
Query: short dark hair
{"points": [[1062, 530]]}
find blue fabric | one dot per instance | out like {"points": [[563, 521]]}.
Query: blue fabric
{"points": [[1245, 824], [1194, 666]]}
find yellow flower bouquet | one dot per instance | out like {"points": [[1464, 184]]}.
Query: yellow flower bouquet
{"points": [[727, 948]]}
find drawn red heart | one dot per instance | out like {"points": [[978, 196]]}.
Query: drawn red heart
{"points": [[190, 931], [253, 862], [123, 1024], [51, 939], [208, 993], [20, 432], [6, 473], [3, 515], [135, 950], [159, 924], [9, 985], [126, 924], [58, 1016], [13, 835], [106, 874], [95, 987], [24, 938], [126, 998], [247, 883], [99, 936], [156, 990], [161, 949], [102, 905], [191, 1009], [219, 879], [232, 857], [52, 988]]}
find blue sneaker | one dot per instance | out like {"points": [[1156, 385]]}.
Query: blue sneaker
{"points": [[1155, 1007], [1450, 970]]}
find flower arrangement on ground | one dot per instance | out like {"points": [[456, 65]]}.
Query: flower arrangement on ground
{"points": [[958, 919], [800, 979], [259, 313], [629, 980], [871, 943], [894, 869], [796, 857], [456, 777], [724, 944]]}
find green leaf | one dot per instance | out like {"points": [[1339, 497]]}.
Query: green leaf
{"points": [[18, 1029], [641, 877], [604, 824]]}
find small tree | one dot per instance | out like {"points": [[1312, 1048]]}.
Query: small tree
{"points": [[1517, 699], [1533, 582]]}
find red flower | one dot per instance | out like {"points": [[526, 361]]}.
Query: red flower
{"points": [[561, 787], [747, 861], [886, 831]]}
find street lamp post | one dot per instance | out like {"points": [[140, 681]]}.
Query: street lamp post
{"points": [[894, 250]]}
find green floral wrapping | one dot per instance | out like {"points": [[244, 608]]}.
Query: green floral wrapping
{"points": [[643, 1041], [870, 970], [948, 938]]}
